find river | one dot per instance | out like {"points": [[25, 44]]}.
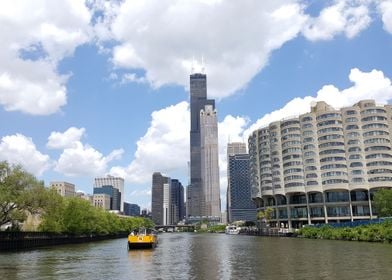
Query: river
{"points": [[204, 256]]}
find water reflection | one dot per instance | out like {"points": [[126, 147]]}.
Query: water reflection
{"points": [[204, 256]]}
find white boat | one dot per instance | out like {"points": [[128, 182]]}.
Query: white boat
{"points": [[232, 229]]}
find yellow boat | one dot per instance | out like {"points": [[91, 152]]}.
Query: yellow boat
{"points": [[142, 238]]}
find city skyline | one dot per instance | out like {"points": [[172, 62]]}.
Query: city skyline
{"points": [[98, 90]]}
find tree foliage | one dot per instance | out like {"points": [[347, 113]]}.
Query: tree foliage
{"points": [[77, 216], [20, 193], [383, 202], [265, 214]]}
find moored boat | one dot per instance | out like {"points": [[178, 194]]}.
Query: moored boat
{"points": [[232, 229], [142, 238]]}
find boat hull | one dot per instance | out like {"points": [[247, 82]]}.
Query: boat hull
{"points": [[142, 241]]}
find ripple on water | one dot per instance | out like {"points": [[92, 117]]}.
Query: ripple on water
{"points": [[204, 256]]}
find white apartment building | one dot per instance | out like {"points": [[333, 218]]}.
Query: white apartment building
{"points": [[323, 166]]}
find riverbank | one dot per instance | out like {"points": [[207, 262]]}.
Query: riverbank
{"points": [[381, 232], [14, 241]]}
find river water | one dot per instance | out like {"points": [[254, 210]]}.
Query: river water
{"points": [[204, 256]]}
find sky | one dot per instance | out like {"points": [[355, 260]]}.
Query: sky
{"points": [[95, 87]]}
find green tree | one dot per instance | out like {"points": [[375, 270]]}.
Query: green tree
{"points": [[20, 193], [52, 212], [79, 216], [383, 202], [265, 214]]}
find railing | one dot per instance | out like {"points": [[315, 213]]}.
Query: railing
{"points": [[25, 240], [278, 232]]}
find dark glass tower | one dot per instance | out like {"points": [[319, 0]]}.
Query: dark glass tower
{"points": [[177, 201], [198, 96], [240, 204]]}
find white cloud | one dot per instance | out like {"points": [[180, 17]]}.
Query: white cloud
{"points": [[19, 149], [366, 85], [67, 139], [84, 160], [35, 36], [385, 8], [229, 130], [164, 147], [162, 37], [78, 159], [345, 16], [132, 77]]}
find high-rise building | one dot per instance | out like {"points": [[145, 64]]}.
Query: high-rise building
{"points": [[131, 209], [240, 204], [115, 196], [167, 201], [157, 198], [160, 199], [196, 199], [115, 182], [63, 188], [177, 201], [323, 166], [209, 162], [232, 149]]}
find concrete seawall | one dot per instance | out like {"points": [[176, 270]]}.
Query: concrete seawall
{"points": [[13, 241]]}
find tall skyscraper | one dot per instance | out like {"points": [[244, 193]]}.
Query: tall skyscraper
{"points": [[209, 162], [198, 204], [115, 182]]}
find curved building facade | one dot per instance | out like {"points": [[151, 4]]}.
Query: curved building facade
{"points": [[323, 166]]}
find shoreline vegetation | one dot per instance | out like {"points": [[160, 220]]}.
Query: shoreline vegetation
{"points": [[27, 205], [381, 232]]}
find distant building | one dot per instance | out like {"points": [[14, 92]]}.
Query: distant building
{"points": [[167, 200], [116, 182], [88, 197], [131, 209], [101, 200], [232, 149], [64, 189], [177, 201], [115, 196], [146, 214], [157, 197], [224, 217], [240, 204]]}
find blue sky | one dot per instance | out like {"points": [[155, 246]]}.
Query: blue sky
{"points": [[89, 88]]}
